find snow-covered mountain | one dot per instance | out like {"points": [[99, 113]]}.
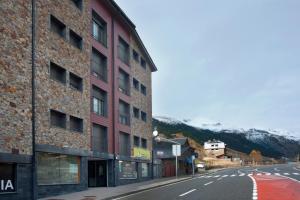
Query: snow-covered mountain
{"points": [[274, 143]]}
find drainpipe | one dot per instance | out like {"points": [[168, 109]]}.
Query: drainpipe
{"points": [[113, 101], [33, 160]]}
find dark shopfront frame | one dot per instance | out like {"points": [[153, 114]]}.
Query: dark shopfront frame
{"points": [[22, 165]]}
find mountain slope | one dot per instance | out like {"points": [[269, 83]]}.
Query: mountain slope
{"points": [[270, 145]]}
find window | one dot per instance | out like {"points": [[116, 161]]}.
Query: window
{"points": [[145, 168], [7, 178], [124, 144], [99, 138], [75, 82], [135, 55], [78, 4], [58, 119], [99, 101], [144, 143], [136, 112], [99, 65], [57, 169], [123, 82], [143, 63], [99, 29], [76, 124], [144, 116], [136, 141], [124, 113], [57, 73], [136, 84], [127, 170], [75, 39], [57, 26], [143, 90], [123, 51]]}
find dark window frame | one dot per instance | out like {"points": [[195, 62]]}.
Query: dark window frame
{"points": [[143, 89], [126, 89], [144, 143], [75, 39], [55, 68], [78, 4], [73, 76], [136, 84], [101, 147], [136, 141], [76, 128], [100, 100], [124, 149], [58, 27], [124, 118], [143, 63], [135, 55], [136, 113], [54, 122], [123, 51], [144, 116], [100, 23], [102, 65]]}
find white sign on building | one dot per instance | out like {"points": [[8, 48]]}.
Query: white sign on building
{"points": [[176, 150]]}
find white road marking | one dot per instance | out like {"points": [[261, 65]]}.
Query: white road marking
{"points": [[233, 175], [258, 174], [225, 175], [255, 191], [277, 174], [286, 173], [268, 174], [296, 173], [219, 179], [242, 175], [295, 168], [187, 192], [276, 169], [208, 183], [250, 174], [217, 176], [207, 176]]}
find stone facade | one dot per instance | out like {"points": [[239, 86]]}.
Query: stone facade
{"points": [[52, 94], [15, 77], [143, 102]]}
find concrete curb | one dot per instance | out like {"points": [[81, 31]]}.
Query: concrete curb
{"points": [[153, 187]]}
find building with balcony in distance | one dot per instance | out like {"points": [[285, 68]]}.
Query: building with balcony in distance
{"points": [[92, 98], [214, 148]]}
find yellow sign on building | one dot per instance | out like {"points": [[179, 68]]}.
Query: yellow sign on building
{"points": [[141, 153]]}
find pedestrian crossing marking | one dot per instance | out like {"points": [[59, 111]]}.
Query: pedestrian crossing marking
{"points": [[225, 175], [242, 175], [277, 174], [250, 174], [259, 174], [296, 173], [286, 173], [233, 175]]}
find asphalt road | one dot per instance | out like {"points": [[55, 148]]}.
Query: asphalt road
{"points": [[248, 183]]}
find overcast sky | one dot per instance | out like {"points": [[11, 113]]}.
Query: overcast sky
{"points": [[236, 61]]}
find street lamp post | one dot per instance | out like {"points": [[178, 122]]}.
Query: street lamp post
{"points": [[154, 135]]}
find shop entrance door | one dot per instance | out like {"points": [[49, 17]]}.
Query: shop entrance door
{"points": [[97, 171]]}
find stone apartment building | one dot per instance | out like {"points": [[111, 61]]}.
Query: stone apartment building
{"points": [[92, 98]]}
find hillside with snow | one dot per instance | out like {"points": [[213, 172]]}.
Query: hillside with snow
{"points": [[272, 143]]}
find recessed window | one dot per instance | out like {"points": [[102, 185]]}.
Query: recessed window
{"points": [[99, 29], [99, 65], [136, 141], [143, 116], [57, 26], [144, 143], [123, 51], [135, 55], [124, 144], [143, 90], [136, 84], [124, 113], [136, 112], [58, 119], [99, 138], [78, 4], [124, 82], [143, 63], [75, 39], [57, 73], [99, 101], [75, 82], [76, 124]]}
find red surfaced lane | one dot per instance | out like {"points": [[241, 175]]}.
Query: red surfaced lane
{"points": [[277, 188]]}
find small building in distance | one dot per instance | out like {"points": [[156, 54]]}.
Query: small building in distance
{"points": [[214, 148]]}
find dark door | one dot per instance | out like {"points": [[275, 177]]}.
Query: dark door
{"points": [[97, 173]]}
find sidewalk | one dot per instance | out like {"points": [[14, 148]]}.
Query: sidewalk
{"points": [[114, 192]]}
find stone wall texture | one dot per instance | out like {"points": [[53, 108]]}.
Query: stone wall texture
{"points": [[52, 94], [139, 100], [15, 76]]}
